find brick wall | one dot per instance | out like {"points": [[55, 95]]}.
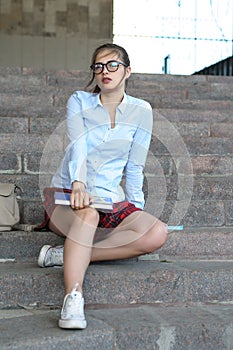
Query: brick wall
{"points": [[52, 33]]}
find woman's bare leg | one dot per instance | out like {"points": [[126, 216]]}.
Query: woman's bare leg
{"points": [[79, 227], [137, 234]]}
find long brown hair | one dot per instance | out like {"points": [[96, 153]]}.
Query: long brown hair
{"points": [[113, 48]]}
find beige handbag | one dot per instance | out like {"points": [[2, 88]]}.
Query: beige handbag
{"points": [[9, 208]]}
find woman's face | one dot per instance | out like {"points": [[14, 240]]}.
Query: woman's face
{"points": [[111, 81]]}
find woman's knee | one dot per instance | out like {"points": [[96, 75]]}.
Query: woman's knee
{"points": [[83, 227], [88, 215], [155, 238]]}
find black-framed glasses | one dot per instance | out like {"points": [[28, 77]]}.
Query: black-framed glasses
{"points": [[112, 66]]}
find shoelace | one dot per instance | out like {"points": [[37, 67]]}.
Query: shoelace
{"points": [[75, 300], [57, 251]]}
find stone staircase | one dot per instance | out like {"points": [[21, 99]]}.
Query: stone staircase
{"points": [[181, 296]]}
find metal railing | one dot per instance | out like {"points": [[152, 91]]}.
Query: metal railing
{"points": [[224, 67]]}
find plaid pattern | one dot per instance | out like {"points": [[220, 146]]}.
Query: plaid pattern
{"points": [[49, 206], [107, 220]]}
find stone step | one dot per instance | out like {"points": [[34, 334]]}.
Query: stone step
{"points": [[205, 167], [138, 327], [28, 244], [190, 104], [161, 90], [200, 201], [33, 81], [160, 145], [33, 92], [199, 243], [121, 282], [193, 124], [190, 244], [192, 145], [38, 102], [60, 76], [179, 79], [206, 171], [194, 116], [206, 212]]}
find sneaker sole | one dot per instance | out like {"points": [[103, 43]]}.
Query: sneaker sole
{"points": [[42, 254], [72, 324]]}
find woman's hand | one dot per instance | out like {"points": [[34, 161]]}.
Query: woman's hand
{"points": [[79, 198]]}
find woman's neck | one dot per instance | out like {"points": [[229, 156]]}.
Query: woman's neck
{"points": [[110, 103], [111, 99]]}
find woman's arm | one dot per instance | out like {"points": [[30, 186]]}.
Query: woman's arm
{"points": [[77, 152], [74, 120], [136, 161]]}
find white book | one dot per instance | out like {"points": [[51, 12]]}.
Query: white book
{"points": [[100, 203]]}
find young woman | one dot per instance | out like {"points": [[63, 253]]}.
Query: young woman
{"points": [[109, 133]]}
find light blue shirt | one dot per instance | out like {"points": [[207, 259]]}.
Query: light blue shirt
{"points": [[98, 155]]}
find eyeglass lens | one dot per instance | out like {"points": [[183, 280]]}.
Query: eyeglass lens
{"points": [[112, 66]]}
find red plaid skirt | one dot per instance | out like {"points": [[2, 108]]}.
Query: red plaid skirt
{"points": [[107, 220]]}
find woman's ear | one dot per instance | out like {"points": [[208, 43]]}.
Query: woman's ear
{"points": [[128, 72]]}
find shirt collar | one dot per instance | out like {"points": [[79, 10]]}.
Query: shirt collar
{"points": [[122, 106], [96, 101]]}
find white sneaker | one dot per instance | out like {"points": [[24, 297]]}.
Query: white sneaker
{"points": [[72, 313], [51, 256]]}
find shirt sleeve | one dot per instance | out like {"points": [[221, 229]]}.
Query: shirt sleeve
{"points": [[136, 161], [74, 118], [77, 148]]}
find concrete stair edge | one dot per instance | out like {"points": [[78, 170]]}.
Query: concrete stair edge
{"points": [[129, 282], [191, 243], [140, 327]]}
